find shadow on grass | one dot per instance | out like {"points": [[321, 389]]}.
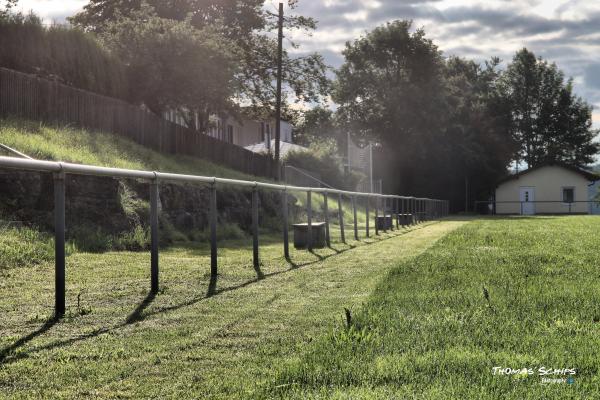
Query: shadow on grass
{"points": [[137, 314], [140, 314], [6, 352]]}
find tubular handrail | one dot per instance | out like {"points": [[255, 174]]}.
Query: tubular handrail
{"points": [[300, 171], [409, 209], [82, 169], [11, 150]]}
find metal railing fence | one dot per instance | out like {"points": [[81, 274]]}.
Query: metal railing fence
{"points": [[393, 207], [492, 207]]}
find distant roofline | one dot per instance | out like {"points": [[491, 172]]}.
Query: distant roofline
{"points": [[589, 175]]}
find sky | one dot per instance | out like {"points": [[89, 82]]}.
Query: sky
{"points": [[563, 31]]}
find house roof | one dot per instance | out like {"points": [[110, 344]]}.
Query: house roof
{"points": [[591, 176], [284, 147]]}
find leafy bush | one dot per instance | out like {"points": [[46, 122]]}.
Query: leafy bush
{"points": [[90, 239], [24, 246], [59, 52], [225, 231], [137, 239], [323, 158]]}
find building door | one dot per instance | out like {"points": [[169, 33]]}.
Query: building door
{"points": [[527, 199]]}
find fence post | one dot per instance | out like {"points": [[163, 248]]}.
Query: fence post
{"points": [[154, 236], [59, 244], [521, 208], [354, 215], [384, 208], [391, 205], [284, 211], [309, 220], [213, 230], [376, 215], [341, 218], [397, 212], [326, 210], [367, 213], [255, 256]]}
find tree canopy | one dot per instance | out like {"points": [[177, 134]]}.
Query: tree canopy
{"points": [[240, 30], [439, 122], [548, 120]]}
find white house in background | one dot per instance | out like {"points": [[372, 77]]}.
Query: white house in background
{"points": [[361, 159], [242, 132], [552, 188], [594, 194], [284, 147]]}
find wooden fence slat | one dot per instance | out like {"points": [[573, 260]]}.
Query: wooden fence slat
{"points": [[40, 99]]}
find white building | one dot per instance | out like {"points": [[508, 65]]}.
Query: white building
{"points": [[546, 189], [242, 132]]}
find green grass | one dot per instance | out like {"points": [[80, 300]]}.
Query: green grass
{"points": [[81, 146], [195, 339], [23, 246], [513, 293]]}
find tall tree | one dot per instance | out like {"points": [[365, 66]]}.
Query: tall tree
{"points": [[548, 120], [172, 65], [437, 122], [316, 124], [247, 25]]}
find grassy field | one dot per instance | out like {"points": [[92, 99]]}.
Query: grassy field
{"points": [[512, 293], [197, 338]]}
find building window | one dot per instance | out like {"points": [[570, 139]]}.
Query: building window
{"points": [[568, 195], [262, 131], [230, 133]]}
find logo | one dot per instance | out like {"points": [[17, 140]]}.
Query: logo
{"points": [[547, 375]]}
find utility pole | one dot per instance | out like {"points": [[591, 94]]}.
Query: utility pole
{"points": [[278, 100]]}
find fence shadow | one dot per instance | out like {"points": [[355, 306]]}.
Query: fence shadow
{"points": [[5, 353], [138, 314]]}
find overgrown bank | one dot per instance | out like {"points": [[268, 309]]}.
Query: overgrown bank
{"points": [[104, 213]]}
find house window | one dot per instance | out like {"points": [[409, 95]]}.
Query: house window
{"points": [[568, 195], [262, 131], [230, 133]]}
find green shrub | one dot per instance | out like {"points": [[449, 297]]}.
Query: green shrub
{"points": [[323, 158], [24, 246], [137, 239], [90, 239], [225, 231]]}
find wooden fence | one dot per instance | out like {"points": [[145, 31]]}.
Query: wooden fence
{"points": [[31, 97]]}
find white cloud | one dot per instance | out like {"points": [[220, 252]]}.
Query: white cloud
{"points": [[52, 10], [564, 31]]}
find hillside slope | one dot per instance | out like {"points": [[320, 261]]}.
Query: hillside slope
{"points": [[84, 147], [107, 214]]}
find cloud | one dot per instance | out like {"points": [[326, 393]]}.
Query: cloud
{"points": [[592, 76], [565, 32], [52, 10]]}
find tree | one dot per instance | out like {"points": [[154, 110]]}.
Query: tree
{"points": [[437, 122], [478, 129], [389, 87], [172, 65], [317, 123], [247, 26], [548, 121]]}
